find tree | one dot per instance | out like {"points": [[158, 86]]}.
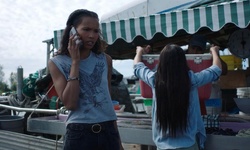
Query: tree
{"points": [[13, 81], [3, 85], [4, 88], [1, 73]]}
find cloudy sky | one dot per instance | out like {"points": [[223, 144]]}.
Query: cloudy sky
{"points": [[26, 23]]}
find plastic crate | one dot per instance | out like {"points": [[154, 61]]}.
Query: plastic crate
{"points": [[147, 101]]}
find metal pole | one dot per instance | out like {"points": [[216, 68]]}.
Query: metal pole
{"points": [[46, 111], [48, 42], [19, 82]]}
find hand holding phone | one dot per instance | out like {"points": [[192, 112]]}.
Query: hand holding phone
{"points": [[74, 32]]}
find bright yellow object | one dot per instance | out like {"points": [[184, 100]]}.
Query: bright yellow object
{"points": [[232, 62]]}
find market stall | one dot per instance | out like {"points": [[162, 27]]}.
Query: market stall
{"points": [[218, 22], [136, 129]]}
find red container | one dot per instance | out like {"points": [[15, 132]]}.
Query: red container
{"points": [[151, 61], [52, 92], [196, 62]]}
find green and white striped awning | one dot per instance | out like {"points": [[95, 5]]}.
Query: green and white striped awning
{"points": [[213, 17], [57, 38], [190, 20]]}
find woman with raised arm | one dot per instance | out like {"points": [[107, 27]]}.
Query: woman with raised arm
{"points": [[176, 117]]}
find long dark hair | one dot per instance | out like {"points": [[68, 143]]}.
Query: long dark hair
{"points": [[172, 90], [74, 19]]}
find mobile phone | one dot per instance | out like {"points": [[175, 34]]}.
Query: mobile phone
{"points": [[74, 32]]}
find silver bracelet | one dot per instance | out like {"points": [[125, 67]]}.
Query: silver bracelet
{"points": [[72, 78]]}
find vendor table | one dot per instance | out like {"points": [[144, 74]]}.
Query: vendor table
{"points": [[136, 129]]}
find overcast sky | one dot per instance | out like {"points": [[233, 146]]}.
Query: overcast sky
{"points": [[26, 23]]}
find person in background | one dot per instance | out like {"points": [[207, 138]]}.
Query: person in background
{"points": [[81, 73], [197, 45], [176, 119]]}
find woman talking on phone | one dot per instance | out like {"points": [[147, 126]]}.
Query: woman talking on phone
{"points": [[81, 73], [176, 119]]}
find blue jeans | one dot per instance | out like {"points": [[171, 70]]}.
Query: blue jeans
{"points": [[100, 136]]}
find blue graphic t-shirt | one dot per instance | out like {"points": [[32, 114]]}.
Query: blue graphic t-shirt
{"points": [[95, 104]]}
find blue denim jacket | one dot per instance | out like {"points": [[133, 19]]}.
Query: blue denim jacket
{"points": [[195, 122]]}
